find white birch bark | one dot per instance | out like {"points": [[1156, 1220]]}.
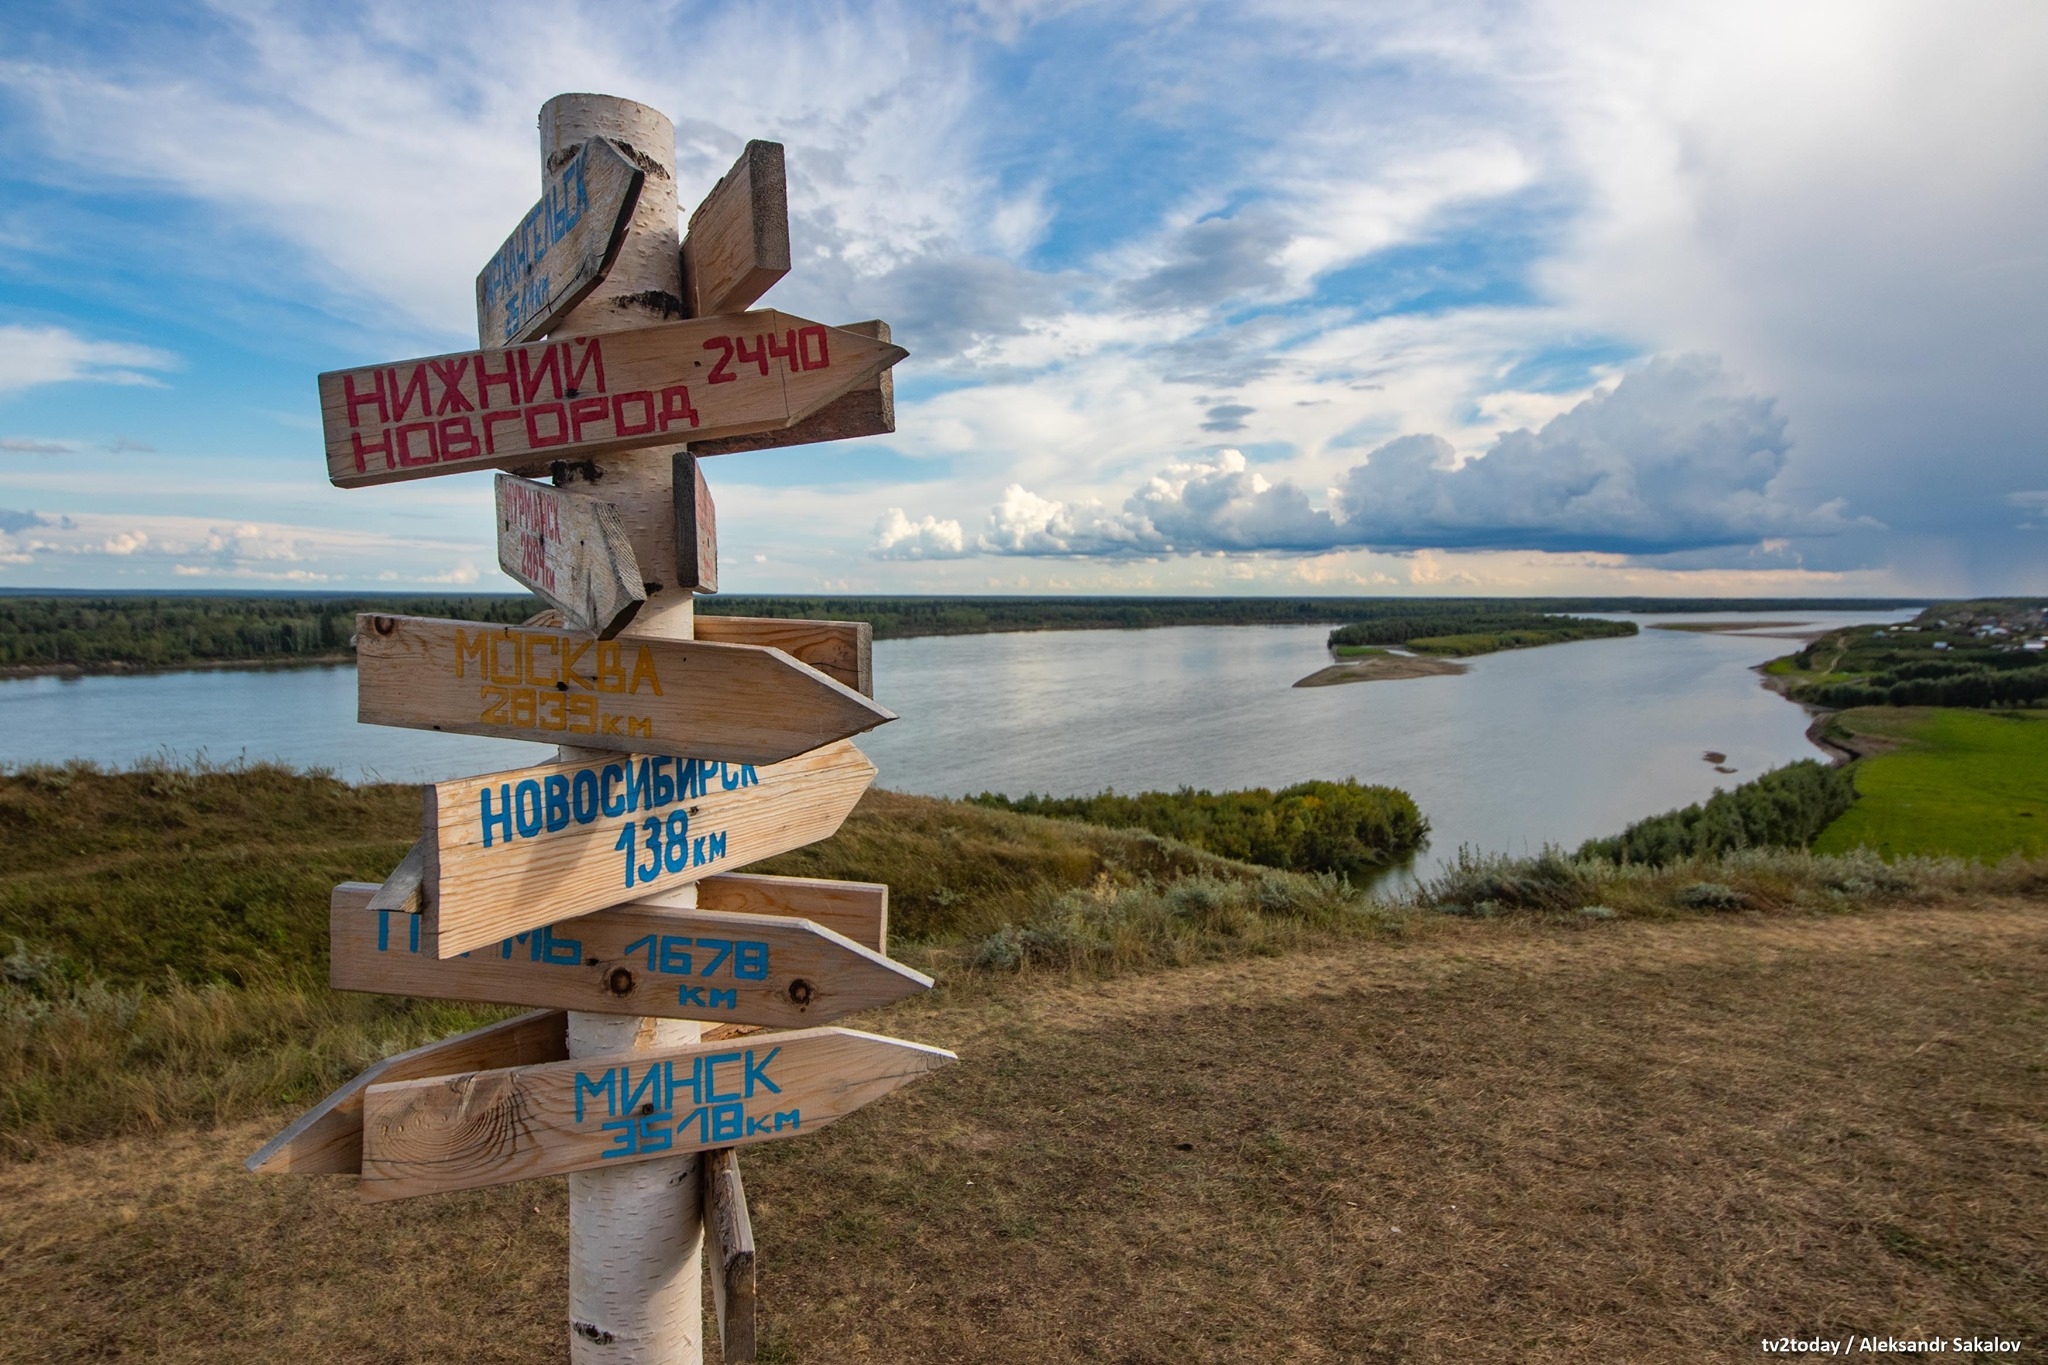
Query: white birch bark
{"points": [[636, 1235]]}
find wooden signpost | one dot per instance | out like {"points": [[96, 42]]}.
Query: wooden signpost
{"points": [[328, 1138], [731, 1234], [512, 851], [588, 395], [561, 248], [572, 551], [686, 698], [640, 959], [606, 885], [494, 1127]]}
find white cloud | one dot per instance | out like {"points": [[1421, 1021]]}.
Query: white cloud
{"points": [[1676, 458], [898, 537], [197, 547], [34, 356]]}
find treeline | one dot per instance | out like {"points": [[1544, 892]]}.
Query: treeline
{"points": [[1343, 827], [1967, 684], [1477, 628], [165, 632], [1785, 808]]}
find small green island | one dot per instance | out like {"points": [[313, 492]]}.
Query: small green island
{"points": [[1433, 634]]}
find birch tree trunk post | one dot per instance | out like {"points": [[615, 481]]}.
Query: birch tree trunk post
{"points": [[636, 1235]]}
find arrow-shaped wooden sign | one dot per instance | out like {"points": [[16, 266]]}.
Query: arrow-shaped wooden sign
{"points": [[839, 649], [561, 249], [328, 1138], [580, 397], [571, 550], [512, 851], [686, 698], [631, 959], [868, 410], [494, 1127]]}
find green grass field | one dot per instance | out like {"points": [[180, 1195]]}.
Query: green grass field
{"points": [[1969, 783]]}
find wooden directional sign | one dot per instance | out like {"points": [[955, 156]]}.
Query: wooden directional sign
{"points": [[685, 698], [738, 239], [631, 959], [328, 1138], [729, 1238], [696, 527], [512, 851], [859, 910], [494, 1127], [580, 397], [838, 649], [571, 549], [869, 410], [561, 248]]}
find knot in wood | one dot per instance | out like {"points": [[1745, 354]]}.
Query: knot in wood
{"points": [[620, 981]]}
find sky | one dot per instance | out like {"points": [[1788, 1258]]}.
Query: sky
{"points": [[1289, 297]]}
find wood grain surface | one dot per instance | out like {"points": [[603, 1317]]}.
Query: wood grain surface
{"points": [[868, 410], [684, 698], [512, 851], [696, 527], [729, 1240], [639, 959], [493, 1127], [840, 649], [328, 1138], [571, 550], [574, 397], [738, 239], [561, 249]]}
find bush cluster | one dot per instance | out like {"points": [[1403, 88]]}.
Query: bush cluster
{"points": [[1785, 808], [1475, 629], [1341, 827]]}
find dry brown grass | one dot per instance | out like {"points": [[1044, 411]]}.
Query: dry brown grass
{"points": [[1494, 1141]]}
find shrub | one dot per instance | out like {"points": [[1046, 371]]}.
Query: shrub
{"points": [[1341, 827], [1784, 808]]}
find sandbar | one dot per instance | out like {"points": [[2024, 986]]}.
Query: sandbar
{"points": [[1381, 668]]}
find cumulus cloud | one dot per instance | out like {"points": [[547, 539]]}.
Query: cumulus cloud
{"points": [[33, 356], [898, 537], [12, 521], [1676, 458]]}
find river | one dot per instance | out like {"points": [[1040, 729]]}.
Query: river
{"points": [[1536, 746]]}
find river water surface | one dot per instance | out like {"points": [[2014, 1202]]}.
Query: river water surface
{"points": [[1536, 746]]}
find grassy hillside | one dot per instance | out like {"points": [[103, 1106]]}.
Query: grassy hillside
{"points": [[1511, 1140], [1971, 783]]}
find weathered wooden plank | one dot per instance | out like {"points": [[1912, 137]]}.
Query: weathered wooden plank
{"points": [[696, 527], [328, 1138], [684, 698], [631, 959], [582, 396], [494, 1127], [840, 649], [512, 851], [403, 890], [737, 244], [571, 550], [561, 249], [869, 410], [729, 1237], [859, 910]]}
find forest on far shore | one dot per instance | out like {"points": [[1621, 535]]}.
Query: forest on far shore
{"points": [[115, 632]]}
